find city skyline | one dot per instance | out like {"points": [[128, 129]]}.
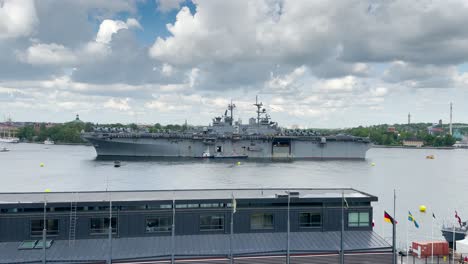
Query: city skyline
{"points": [[314, 64]]}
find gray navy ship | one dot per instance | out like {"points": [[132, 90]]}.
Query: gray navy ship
{"points": [[226, 138]]}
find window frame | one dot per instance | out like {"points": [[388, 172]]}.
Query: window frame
{"points": [[310, 216], [263, 227], [52, 232], [360, 222], [169, 227], [201, 226], [106, 229]]}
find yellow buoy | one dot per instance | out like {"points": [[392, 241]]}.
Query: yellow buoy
{"points": [[422, 208], [41, 164], [372, 164], [238, 163], [47, 190]]}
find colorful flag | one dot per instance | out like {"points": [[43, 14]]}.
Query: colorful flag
{"points": [[388, 218], [458, 218], [411, 219]]}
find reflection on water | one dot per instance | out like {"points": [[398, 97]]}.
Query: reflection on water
{"points": [[441, 184]]}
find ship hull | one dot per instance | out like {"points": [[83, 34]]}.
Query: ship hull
{"points": [[251, 148]]}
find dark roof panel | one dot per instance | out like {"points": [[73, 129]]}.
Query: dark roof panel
{"points": [[196, 246]]}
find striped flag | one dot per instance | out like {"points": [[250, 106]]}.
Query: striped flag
{"points": [[411, 219], [388, 218]]}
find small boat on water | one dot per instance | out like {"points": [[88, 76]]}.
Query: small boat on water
{"points": [[9, 139], [49, 142], [116, 164], [430, 157], [4, 149]]}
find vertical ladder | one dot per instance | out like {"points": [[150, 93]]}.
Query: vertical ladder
{"points": [[72, 231]]}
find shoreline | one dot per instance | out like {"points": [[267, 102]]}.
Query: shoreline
{"points": [[59, 144], [405, 147]]}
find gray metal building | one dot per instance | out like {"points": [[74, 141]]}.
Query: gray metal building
{"points": [[78, 226]]}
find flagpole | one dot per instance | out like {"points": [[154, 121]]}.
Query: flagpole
{"points": [[432, 238], [109, 235], [288, 228], [394, 228], [342, 228], [453, 245], [407, 244], [231, 257], [110, 230], [173, 231], [44, 233]]}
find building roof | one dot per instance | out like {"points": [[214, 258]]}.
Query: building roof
{"points": [[169, 195], [158, 247]]}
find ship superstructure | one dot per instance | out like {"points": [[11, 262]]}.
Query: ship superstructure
{"points": [[225, 138]]}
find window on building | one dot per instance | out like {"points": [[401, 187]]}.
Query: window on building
{"points": [[211, 222], [37, 225], [101, 225], [310, 220], [158, 224], [261, 221], [219, 149], [358, 219]]}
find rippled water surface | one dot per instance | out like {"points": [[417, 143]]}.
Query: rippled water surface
{"points": [[441, 184]]}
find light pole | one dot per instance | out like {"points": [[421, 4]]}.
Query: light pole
{"points": [[288, 230], [342, 229], [44, 233]]}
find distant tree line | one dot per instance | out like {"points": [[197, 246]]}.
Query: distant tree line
{"points": [[60, 133], [381, 135], [378, 134]]}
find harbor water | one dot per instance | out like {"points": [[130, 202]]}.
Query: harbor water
{"points": [[440, 184]]}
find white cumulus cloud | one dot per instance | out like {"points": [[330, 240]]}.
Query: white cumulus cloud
{"points": [[109, 27], [118, 104], [17, 18], [48, 54]]}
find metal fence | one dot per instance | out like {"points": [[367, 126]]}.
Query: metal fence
{"points": [[459, 258]]}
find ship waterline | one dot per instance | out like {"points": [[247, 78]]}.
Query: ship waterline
{"points": [[224, 138], [122, 145]]}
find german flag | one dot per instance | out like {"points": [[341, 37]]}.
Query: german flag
{"points": [[388, 218]]}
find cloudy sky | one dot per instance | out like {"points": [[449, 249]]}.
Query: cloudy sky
{"points": [[312, 63]]}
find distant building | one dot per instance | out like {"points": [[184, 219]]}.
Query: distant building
{"points": [[37, 126], [435, 130], [77, 120], [8, 129], [413, 143], [391, 130]]}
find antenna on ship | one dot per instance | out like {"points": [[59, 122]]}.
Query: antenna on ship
{"points": [[231, 107], [259, 109]]}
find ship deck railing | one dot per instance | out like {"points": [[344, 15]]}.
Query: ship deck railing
{"points": [[199, 136]]}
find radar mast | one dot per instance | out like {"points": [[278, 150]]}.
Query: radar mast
{"points": [[231, 107], [259, 109]]}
